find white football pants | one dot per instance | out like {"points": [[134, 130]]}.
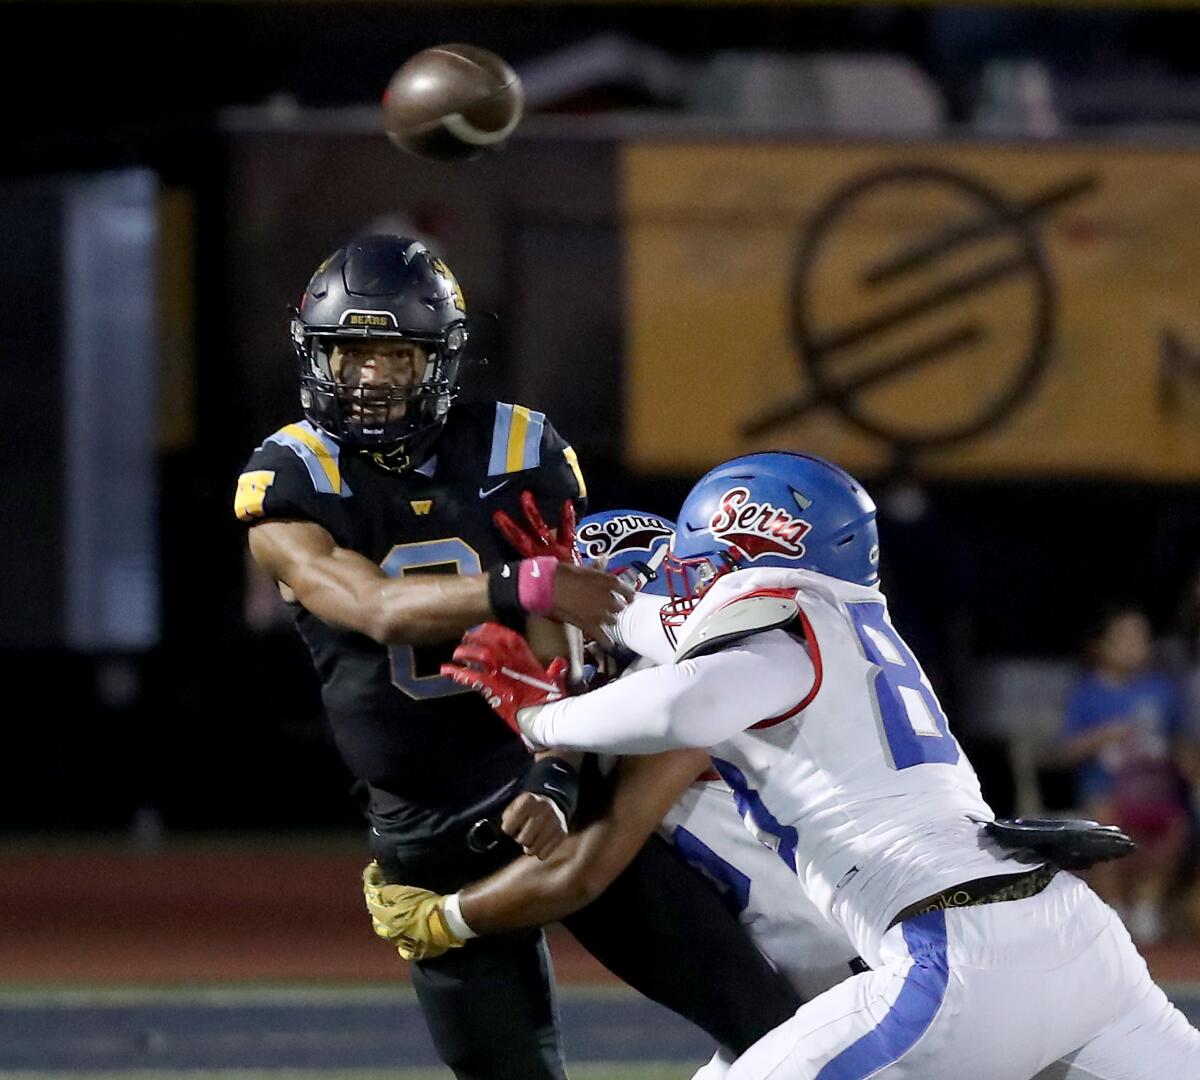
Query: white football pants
{"points": [[993, 992]]}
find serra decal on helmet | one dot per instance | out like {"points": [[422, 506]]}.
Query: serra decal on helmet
{"points": [[633, 541], [615, 532], [757, 528]]}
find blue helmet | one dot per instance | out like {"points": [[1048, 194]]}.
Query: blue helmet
{"points": [[630, 540], [774, 509]]}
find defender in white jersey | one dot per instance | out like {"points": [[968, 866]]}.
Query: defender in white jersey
{"points": [[703, 826], [823, 724]]}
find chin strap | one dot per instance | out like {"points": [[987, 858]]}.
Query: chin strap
{"points": [[410, 454]]}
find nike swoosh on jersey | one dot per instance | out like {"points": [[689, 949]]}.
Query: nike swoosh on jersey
{"points": [[485, 492]]}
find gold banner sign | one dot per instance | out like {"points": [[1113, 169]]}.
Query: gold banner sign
{"points": [[993, 310]]}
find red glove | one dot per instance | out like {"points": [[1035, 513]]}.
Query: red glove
{"points": [[535, 537], [498, 663]]}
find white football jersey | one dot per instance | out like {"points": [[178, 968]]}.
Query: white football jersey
{"points": [[705, 828], [864, 791], [756, 886]]}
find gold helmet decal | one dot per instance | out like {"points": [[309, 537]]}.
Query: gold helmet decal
{"points": [[319, 271], [459, 300]]}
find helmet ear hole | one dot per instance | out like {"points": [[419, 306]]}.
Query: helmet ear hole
{"points": [[456, 339]]}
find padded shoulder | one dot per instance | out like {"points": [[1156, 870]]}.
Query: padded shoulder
{"points": [[741, 617], [290, 474], [524, 441], [516, 439]]}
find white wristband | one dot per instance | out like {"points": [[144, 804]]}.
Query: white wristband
{"points": [[455, 922]]}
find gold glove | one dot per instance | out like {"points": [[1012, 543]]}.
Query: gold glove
{"points": [[412, 919]]}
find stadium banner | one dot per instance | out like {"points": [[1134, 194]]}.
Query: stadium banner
{"points": [[985, 310]]}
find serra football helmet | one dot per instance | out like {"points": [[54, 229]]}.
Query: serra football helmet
{"points": [[774, 509], [388, 287], [631, 542]]}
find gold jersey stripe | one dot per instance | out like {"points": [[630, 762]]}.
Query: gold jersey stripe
{"points": [[573, 461], [515, 458]]}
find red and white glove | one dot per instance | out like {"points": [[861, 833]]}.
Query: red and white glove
{"points": [[498, 663], [535, 537]]}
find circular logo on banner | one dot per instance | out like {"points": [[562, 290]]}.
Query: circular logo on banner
{"points": [[923, 305]]}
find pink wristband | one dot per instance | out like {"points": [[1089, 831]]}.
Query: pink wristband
{"points": [[535, 584]]}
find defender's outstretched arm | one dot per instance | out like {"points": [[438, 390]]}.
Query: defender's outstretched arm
{"points": [[694, 703]]}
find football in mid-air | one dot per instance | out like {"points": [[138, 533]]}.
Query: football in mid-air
{"points": [[452, 102]]}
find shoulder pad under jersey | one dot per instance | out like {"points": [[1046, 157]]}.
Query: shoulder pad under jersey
{"points": [[524, 441], [290, 474], [743, 616]]}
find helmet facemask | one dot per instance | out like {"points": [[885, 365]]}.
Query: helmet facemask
{"points": [[688, 579], [384, 419]]}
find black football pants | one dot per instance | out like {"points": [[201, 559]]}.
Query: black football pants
{"points": [[490, 1007]]}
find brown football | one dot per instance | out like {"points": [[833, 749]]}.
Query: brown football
{"points": [[452, 102]]}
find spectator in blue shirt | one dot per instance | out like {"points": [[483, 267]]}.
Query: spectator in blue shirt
{"points": [[1122, 728]]}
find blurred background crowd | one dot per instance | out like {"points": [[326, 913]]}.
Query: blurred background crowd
{"points": [[956, 249]]}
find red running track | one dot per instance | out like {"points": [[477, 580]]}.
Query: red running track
{"points": [[234, 914]]}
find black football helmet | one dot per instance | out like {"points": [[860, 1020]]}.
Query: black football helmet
{"points": [[381, 287]]}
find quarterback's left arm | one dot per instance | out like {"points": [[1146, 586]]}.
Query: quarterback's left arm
{"points": [[532, 893], [539, 818], [421, 924]]}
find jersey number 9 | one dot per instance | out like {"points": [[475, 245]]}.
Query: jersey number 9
{"points": [[449, 556]]}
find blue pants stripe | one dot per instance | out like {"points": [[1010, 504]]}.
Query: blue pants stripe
{"points": [[913, 1010]]}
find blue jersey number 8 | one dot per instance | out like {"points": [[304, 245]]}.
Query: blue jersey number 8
{"points": [[913, 722], [451, 555]]}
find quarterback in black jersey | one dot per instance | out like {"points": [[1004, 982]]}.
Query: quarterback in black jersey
{"points": [[374, 515], [400, 725]]}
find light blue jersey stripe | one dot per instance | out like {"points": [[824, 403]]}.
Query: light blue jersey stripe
{"points": [[319, 471], [913, 1010], [533, 440], [497, 463]]}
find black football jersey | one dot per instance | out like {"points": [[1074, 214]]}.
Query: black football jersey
{"points": [[398, 723]]}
